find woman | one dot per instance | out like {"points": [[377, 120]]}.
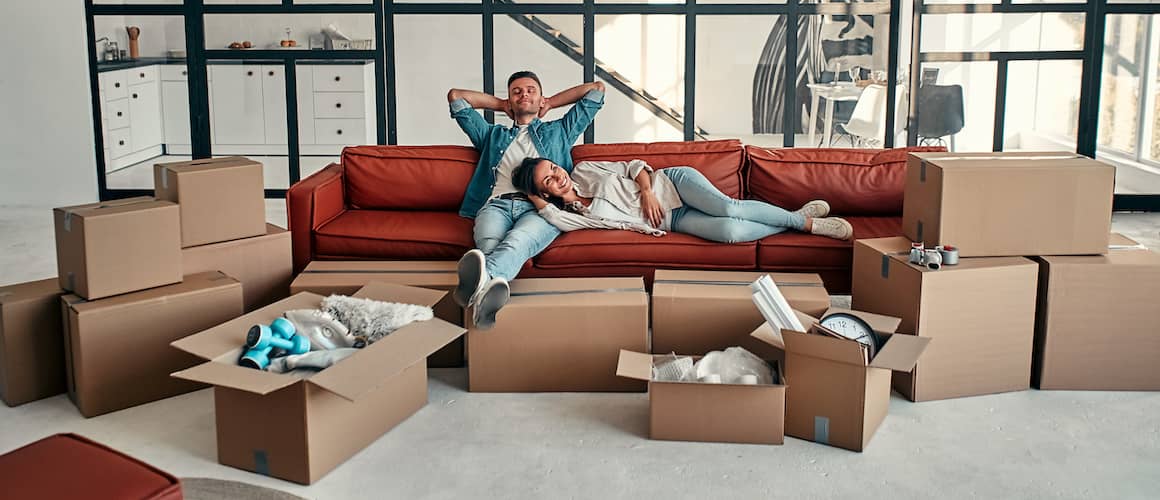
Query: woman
{"points": [[632, 196]]}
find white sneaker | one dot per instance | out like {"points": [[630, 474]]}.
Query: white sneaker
{"points": [[833, 227], [472, 277], [495, 295], [814, 209]]}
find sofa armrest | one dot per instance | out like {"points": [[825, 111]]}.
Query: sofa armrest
{"points": [[310, 203]]}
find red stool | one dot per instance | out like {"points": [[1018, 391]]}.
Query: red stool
{"points": [[70, 466]]}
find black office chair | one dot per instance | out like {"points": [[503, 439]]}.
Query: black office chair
{"points": [[940, 114]]}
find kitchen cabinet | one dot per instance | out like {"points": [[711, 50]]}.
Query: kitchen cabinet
{"points": [[145, 115], [238, 104], [274, 103], [131, 116]]}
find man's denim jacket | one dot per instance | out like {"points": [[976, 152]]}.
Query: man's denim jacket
{"points": [[552, 139]]}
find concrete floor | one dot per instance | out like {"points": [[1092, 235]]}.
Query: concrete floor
{"points": [[1028, 444]]}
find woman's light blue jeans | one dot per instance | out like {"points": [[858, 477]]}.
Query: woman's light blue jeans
{"points": [[708, 213]]}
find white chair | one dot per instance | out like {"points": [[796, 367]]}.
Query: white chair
{"points": [[867, 123]]}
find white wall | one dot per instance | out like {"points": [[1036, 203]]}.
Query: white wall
{"points": [[46, 128]]}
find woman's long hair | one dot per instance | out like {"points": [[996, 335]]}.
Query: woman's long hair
{"points": [[524, 179]]}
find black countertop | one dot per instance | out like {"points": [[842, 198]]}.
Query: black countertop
{"points": [[151, 61]]}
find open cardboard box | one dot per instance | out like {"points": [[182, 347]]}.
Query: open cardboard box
{"points": [[840, 394], [298, 429], [718, 413]]}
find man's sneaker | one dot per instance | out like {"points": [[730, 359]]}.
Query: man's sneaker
{"points": [[833, 227], [814, 209], [472, 277], [495, 295]]}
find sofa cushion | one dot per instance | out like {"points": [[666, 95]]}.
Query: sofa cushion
{"points": [[597, 248], [794, 250], [407, 177], [720, 161], [394, 234], [853, 181], [71, 466]]}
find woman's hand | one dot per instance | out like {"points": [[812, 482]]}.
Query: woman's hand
{"points": [[651, 208], [538, 201]]}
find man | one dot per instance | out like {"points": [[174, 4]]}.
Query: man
{"points": [[508, 231]]}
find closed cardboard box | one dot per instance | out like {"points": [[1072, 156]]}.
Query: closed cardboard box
{"points": [[561, 335], [981, 312], [221, 199], [694, 312], [1096, 327], [1009, 204], [347, 277], [263, 264], [115, 247], [837, 393], [716, 413], [299, 429], [31, 350], [117, 349]]}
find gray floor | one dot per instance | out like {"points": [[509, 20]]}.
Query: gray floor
{"points": [[1022, 445]]}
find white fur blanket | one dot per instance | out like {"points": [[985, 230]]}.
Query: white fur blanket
{"points": [[373, 319]]}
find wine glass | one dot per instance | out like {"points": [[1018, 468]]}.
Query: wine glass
{"points": [[855, 74]]}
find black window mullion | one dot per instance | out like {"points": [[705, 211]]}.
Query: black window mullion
{"points": [[95, 102], [1000, 104], [892, 56], [387, 123], [488, 56], [590, 57], [293, 148], [1095, 22], [690, 70], [915, 69], [197, 79], [791, 54]]}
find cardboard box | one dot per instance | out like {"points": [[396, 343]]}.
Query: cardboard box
{"points": [[1096, 327], [263, 264], [347, 277], [714, 413], [981, 311], [836, 394], [115, 247], [298, 429], [1009, 204], [694, 312], [221, 199], [31, 349], [117, 350], [561, 335]]}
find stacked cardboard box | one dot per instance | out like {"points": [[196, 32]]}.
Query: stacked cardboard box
{"points": [[996, 209], [347, 277], [31, 363], [298, 429]]}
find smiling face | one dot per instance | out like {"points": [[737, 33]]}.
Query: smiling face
{"points": [[551, 179], [524, 96]]}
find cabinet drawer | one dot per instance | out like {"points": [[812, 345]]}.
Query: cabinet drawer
{"points": [[339, 104], [174, 73], [118, 113], [334, 78], [340, 131], [141, 75], [119, 143], [115, 84]]}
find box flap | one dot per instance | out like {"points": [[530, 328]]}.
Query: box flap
{"points": [[738, 278], [367, 370], [230, 335], [825, 347], [31, 290], [635, 365], [889, 246], [114, 206], [381, 266], [900, 352], [536, 286], [879, 322], [390, 292], [206, 164], [1118, 240], [236, 377], [768, 334]]}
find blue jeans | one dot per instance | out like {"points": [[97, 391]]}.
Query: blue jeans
{"points": [[708, 213], [509, 232]]}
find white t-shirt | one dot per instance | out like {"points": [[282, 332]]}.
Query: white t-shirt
{"points": [[520, 148]]}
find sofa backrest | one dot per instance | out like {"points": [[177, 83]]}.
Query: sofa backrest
{"points": [[720, 161], [407, 177], [853, 181]]}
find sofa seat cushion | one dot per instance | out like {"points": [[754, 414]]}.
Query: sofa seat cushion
{"points": [[794, 250], [853, 181], [721, 161], [71, 466], [395, 234], [598, 248]]}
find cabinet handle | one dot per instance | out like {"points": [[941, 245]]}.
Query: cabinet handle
{"points": [[339, 131], [142, 75], [271, 73], [117, 85], [249, 73], [338, 104], [134, 96], [183, 73], [337, 78], [120, 143], [118, 114]]}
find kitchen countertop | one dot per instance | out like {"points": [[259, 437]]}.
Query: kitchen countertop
{"points": [[150, 61]]}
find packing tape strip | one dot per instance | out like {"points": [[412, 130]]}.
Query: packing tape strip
{"points": [[72, 281], [5, 294], [821, 430], [736, 283], [574, 292], [261, 462], [922, 172], [68, 221], [165, 178], [919, 231], [1010, 158], [1138, 246], [372, 271]]}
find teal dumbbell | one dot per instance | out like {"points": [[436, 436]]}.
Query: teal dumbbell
{"points": [[262, 339]]}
